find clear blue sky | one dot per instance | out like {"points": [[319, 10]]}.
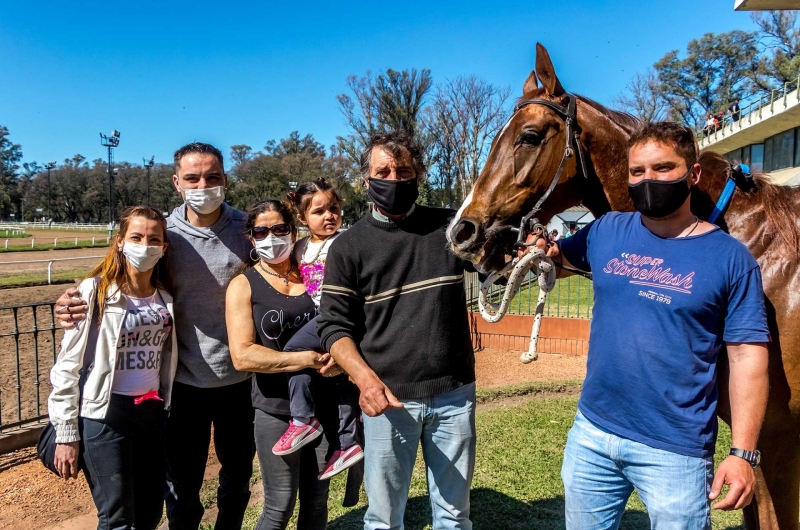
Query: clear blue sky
{"points": [[227, 72]]}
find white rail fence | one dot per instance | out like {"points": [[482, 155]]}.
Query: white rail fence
{"points": [[49, 263], [60, 226], [66, 240]]}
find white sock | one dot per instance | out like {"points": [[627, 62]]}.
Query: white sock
{"points": [[300, 422]]}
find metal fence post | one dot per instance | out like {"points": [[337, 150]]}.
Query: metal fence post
{"points": [[76, 241], [55, 242], [32, 240], [49, 268], [92, 240]]}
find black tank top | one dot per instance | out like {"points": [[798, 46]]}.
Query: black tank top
{"points": [[277, 317]]}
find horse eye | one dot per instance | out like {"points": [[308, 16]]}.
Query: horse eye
{"points": [[530, 138]]}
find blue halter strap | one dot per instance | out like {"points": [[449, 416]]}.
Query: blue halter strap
{"points": [[727, 193]]}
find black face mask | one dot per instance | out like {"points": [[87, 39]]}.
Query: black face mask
{"points": [[659, 198], [394, 197]]}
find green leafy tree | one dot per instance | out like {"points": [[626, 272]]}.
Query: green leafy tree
{"points": [[715, 71], [10, 156], [779, 42]]}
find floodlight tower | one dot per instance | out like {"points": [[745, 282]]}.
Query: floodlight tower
{"points": [[49, 166], [148, 166], [110, 142]]}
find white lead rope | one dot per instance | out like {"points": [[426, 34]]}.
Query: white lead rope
{"points": [[536, 260]]}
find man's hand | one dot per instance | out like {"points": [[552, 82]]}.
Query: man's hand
{"points": [[540, 242], [376, 398], [70, 309], [66, 460], [741, 479]]}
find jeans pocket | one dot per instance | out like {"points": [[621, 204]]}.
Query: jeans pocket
{"points": [[105, 457]]}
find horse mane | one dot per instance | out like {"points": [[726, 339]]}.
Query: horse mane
{"points": [[623, 119], [778, 202], [627, 121]]}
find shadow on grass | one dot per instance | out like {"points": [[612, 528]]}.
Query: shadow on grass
{"points": [[493, 510]]}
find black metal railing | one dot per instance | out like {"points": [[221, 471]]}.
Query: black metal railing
{"points": [[25, 362]]}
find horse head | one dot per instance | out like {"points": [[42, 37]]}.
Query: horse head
{"points": [[522, 163]]}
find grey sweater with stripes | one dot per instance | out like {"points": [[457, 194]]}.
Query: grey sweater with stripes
{"points": [[397, 291]]}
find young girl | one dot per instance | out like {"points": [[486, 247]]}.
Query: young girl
{"points": [[318, 206], [113, 377]]}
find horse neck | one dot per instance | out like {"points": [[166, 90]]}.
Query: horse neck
{"points": [[605, 142]]}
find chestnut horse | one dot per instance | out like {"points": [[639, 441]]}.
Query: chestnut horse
{"points": [[522, 164]]}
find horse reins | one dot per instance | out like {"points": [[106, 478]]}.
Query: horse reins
{"points": [[569, 115]]}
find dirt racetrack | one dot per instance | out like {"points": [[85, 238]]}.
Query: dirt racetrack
{"points": [[10, 261], [32, 497]]}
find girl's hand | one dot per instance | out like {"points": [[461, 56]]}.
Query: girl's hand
{"points": [[331, 369], [315, 359], [66, 459]]}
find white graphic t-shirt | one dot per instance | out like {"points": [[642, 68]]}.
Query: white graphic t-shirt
{"points": [[146, 327]]}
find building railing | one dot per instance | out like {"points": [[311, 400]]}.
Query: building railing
{"points": [[755, 108], [28, 339]]}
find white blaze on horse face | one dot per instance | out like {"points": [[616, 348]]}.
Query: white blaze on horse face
{"points": [[460, 211]]}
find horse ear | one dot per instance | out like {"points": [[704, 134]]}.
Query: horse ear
{"points": [[531, 84], [546, 72]]}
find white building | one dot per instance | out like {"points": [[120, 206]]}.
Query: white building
{"points": [[766, 133]]}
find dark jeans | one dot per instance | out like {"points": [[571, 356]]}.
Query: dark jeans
{"points": [[301, 391], [283, 476], [124, 463], [193, 412]]}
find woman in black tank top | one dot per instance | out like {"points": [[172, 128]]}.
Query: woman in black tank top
{"points": [[265, 306]]}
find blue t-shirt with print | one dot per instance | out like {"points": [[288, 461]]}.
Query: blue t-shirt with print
{"points": [[663, 307]]}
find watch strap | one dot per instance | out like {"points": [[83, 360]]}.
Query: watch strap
{"points": [[752, 457]]}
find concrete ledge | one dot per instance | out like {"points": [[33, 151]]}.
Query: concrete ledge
{"points": [[21, 438]]}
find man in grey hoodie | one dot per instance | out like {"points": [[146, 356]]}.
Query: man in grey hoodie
{"points": [[208, 246]]}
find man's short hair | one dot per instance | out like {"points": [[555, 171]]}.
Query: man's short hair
{"points": [[197, 148], [396, 142], [669, 133]]}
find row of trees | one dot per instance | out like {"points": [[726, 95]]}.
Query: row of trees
{"points": [[718, 69], [454, 120]]}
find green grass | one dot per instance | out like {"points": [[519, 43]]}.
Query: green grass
{"points": [[571, 297], [517, 483], [40, 278], [66, 244], [12, 234]]}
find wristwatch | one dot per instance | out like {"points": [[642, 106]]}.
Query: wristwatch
{"points": [[753, 457]]}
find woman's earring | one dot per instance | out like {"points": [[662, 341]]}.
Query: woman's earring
{"points": [[251, 255]]}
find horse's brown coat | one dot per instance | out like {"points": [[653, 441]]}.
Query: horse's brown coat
{"points": [[767, 220]]}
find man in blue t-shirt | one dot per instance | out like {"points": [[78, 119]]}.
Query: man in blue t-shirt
{"points": [[670, 291]]}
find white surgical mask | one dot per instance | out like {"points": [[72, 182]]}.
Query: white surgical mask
{"points": [[204, 201], [274, 249], [142, 257]]}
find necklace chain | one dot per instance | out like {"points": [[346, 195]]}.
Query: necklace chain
{"points": [[696, 222], [319, 251], [284, 277]]}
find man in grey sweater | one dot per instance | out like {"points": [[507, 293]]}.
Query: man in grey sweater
{"points": [[208, 246]]}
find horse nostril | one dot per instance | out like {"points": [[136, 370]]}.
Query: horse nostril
{"points": [[464, 232]]}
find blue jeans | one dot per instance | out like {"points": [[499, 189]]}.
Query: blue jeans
{"points": [[445, 424], [601, 470]]}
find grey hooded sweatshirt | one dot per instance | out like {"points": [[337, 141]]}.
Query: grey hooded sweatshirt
{"points": [[204, 261]]}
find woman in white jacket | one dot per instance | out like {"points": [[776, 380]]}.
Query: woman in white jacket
{"points": [[114, 374]]}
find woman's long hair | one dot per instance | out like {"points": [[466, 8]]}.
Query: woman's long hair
{"points": [[113, 268]]}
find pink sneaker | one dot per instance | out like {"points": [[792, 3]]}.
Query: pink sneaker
{"points": [[341, 460], [296, 437]]}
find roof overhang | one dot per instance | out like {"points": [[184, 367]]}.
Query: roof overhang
{"points": [[763, 5]]}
